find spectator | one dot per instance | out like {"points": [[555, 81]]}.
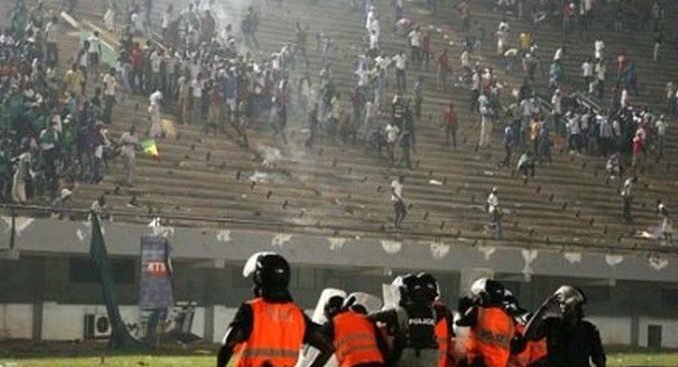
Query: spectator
{"points": [[22, 174], [443, 69], [399, 207], [666, 224], [627, 198], [451, 125], [660, 127], [415, 45], [495, 213], [62, 205], [392, 132], [535, 133], [110, 91], [52, 33], [74, 81], [508, 142], [400, 65], [128, 146], [94, 52], [526, 165]]}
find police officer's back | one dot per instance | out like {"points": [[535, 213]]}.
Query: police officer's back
{"points": [[492, 333], [270, 329], [356, 340], [420, 328]]}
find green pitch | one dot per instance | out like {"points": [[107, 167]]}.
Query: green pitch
{"points": [[614, 360]]}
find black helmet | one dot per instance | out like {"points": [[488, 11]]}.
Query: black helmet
{"points": [[268, 270], [430, 285], [333, 306], [404, 286], [488, 291], [571, 300]]}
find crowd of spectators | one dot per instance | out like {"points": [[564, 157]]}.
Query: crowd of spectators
{"points": [[52, 136], [215, 76]]}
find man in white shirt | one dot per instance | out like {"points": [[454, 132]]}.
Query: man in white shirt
{"points": [[52, 34], [128, 146], [392, 132], [156, 59], [587, 73], [94, 51], [197, 86], [556, 102], [415, 44], [166, 19], [660, 126], [400, 66], [627, 198], [374, 42], [399, 207], [110, 90], [600, 70]]}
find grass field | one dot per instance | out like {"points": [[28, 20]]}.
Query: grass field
{"points": [[614, 360]]}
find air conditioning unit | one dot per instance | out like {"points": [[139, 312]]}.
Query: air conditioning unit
{"points": [[97, 326]]}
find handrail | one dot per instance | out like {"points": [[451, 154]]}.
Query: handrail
{"points": [[336, 230]]}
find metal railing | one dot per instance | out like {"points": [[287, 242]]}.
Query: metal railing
{"points": [[197, 221]]}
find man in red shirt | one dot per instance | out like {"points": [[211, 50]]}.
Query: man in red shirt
{"points": [[136, 58], [637, 146], [443, 68], [450, 119]]}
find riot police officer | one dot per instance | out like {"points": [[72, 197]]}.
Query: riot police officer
{"points": [[270, 329], [571, 341]]}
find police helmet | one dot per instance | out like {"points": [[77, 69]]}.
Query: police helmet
{"points": [[354, 304], [430, 285], [487, 291], [569, 298], [333, 306], [268, 270]]}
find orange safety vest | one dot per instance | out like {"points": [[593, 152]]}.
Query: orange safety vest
{"points": [[355, 341], [521, 359], [445, 347], [277, 335], [538, 350], [490, 339]]}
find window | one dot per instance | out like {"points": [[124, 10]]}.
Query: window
{"points": [[670, 297], [83, 270]]}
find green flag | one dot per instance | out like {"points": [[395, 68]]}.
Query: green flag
{"points": [[120, 337]]}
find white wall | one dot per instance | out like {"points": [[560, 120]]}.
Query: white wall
{"points": [[16, 321], [613, 330], [669, 331], [66, 322]]}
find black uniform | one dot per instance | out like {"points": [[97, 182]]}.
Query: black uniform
{"points": [[572, 344]]}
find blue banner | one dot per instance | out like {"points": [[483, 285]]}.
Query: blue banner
{"points": [[155, 285]]}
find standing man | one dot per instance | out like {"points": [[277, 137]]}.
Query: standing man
{"points": [[627, 198], [660, 127], [128, 143], [110, 88], [94, 51], [52, 30], [270, 329], [451, 125], [399, 207], [400, 65], [508, 144], [571, 341], [666, 225]]}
